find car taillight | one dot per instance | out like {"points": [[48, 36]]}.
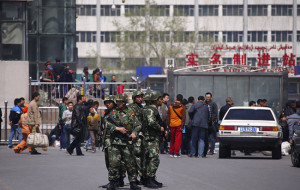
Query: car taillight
{"points": [[268, 129], [222, 127]]}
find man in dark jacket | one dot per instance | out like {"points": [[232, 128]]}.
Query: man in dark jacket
{"points": [[225, 108], [186, 138], [212, 123], [14, 118], [79, 121], [199, 115]]}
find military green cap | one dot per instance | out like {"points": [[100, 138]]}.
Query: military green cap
{"points": [[122, 97], [156, 94], [137, 93], [109, 98], [149, 96]]}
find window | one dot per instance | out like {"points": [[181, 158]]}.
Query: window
{"points": [[227, 61], [232, 10], [232, 36], [298, 36], [298, 10], [292, 88], [160, 10], [110, 37], [275, 61], [86, 10], [208, 10], [208, 36], [85, 36], [183, 10], [282, 10], [160, 37], [134, 36], [184, 36], [298, 62], [257, 36], [134, 10], [106, 10], [249, 114], [252, 61], [282, 36], [257, 10]]}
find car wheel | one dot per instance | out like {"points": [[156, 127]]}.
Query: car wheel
{"points": [[224, 151], [295, 157], [276, 152]]}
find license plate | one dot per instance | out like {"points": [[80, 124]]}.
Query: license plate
{"points": [[248, 129]]}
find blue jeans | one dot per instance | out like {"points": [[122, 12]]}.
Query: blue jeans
{"points": [[212, 141], [15, 128], [198, 137], [67, 132], [63, 138]]}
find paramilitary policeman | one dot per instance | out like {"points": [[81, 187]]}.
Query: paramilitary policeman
{"points": [[137, 108], [123, 132], [152, 133], [110, 104]]}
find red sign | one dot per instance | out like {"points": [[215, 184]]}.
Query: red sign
{"points": [[240, 60], [215, 59], [192, 60], [263, 60], [290, 61]]}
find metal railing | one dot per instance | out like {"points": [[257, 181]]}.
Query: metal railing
{"points": [[49, 116], [51, 93]]}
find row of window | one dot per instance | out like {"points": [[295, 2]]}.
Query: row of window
{"points": [[187, 10], [188, 36]]}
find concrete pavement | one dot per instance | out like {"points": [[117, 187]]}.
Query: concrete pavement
{"points": [[56, 170]]}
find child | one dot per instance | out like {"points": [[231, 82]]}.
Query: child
{"points": [[93, 121]]}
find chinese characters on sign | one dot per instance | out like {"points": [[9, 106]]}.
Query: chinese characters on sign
{"points": [[263, 58]]}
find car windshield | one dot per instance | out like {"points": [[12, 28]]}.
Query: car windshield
{"points": [[249, 114]]}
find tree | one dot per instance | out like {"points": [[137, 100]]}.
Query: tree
{"points": [[151, 32]]}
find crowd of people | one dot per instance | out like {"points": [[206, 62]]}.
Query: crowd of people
{"points": [[132, 136]]}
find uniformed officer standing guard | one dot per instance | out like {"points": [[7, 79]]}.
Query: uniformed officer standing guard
{"points": [[152, 132], [123, 131], [137, 108]]}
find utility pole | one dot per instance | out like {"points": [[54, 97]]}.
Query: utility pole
{"points": [[147, 32], [98, 33], [196, 18], [295, 28], [245, 25]]}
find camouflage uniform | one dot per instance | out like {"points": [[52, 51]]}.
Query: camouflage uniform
{"points": [[152, 133], [121, 148], [137, 109]]}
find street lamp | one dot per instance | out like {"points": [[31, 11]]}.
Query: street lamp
{"points": [[113, 7]]}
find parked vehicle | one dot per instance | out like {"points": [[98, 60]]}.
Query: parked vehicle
{"points": [[250, 128]]}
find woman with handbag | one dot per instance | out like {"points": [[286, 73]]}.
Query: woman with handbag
{"points": [[78, 122], [25, 131]]}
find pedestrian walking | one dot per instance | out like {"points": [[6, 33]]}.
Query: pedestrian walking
{"points": [[34, 119], [199, 115], [163, 110], [25, 132], [176, 120], [93, 122], [67, 117], [186, 137], [78, 124], [113, 88], [61, 123], [14, 118]]}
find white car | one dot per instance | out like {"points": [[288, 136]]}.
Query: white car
{"points": [[250, 128]]}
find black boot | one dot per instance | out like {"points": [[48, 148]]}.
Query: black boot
{"points": [[112, 185], [151, 184], [121, 182], [104, 186], [134, 186], [144, 181], [157, 183]]}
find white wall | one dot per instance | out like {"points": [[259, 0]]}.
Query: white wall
{"points": [[14, 79]]}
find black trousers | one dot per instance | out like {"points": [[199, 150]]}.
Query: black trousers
{"points": [[76, 144]]}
